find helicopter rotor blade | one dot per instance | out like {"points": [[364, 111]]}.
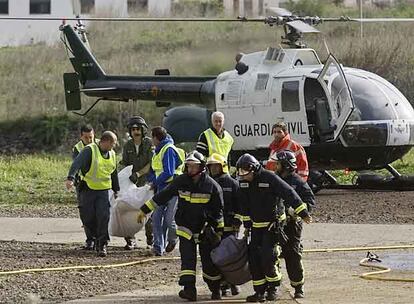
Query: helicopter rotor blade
{"points": [[302, 27], [128, 19], [370, 20], [281, 12]]}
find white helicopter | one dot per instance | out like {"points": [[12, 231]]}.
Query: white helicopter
{"points": [[344, 117]]}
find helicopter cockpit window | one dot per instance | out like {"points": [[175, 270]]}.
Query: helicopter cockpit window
{"points": [[4, 7], [261, 82], [306, 57], [290, 96], [39, 7], [274, 54]]}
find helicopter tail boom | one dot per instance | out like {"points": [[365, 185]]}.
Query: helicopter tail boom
{"points": [[82, 59]]}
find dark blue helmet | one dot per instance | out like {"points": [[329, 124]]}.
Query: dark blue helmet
{"points": [[247, 163], [287, 159]]}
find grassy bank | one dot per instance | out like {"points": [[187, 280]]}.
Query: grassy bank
{"points": [[36, 180]]}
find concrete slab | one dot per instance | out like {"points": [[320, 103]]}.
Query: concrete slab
{"points": [[331, 277], [316, 235]]}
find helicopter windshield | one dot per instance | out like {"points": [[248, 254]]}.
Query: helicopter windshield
{"points": [[377, 100]]}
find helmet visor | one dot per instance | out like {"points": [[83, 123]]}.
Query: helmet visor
{"points": [[243, 172]]}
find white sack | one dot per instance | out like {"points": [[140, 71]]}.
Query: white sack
{"points": [[123, 219]]}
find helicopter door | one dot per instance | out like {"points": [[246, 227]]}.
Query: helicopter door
{"points": [[341, 105]]}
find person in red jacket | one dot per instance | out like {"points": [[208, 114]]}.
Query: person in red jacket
{"points": [[282, 141]]}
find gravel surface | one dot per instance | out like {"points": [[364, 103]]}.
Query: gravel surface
{"points": [[333, 206], [54, 287]]}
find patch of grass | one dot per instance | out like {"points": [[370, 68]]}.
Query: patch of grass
{"points": [[34, 180], [405, 166]]}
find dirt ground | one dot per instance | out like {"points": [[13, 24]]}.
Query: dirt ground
{"points": [[331, 277]]}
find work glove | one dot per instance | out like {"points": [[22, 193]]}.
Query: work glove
{"points": [[307, 219], [134, 177], [141, 217]]}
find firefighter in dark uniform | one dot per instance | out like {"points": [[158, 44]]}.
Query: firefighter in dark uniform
{"points": [[216, 164], [263, 213], [200, 210], [138, 152], [87, 137], [292, 249]]}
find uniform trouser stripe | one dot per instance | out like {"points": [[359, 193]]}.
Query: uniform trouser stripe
{"points": [[277, 278], [211, 278], [259, 282], [294, 284], [187, 272], [292, 252]]}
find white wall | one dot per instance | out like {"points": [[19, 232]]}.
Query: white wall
{"points": [[159, 8], [15, 32]]}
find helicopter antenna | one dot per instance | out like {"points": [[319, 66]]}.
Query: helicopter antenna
{"points": [[325, 44], [361, 23]]}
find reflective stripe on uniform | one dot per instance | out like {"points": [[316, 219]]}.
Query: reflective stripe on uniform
{"points": [[260, 224], [228, 229], [195, 198], [282, 217], [184, 232], [259, 282], [151, 205], [301, 282], [300, 208], [212, 278], [187, 272], [245, 218], [277, 278], [238, 217]]}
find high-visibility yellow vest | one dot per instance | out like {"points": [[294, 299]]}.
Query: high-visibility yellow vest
{"points": [[99, 175], [219, 145], [79, 146], [156, 162]]}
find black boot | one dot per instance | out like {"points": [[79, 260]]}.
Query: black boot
{"points": [[130, 243], [224, 288], [235, 290], [102, 251], [271, 294], [299, 292], [188, 293], [255, 298], [89, 245], [216, 295]]}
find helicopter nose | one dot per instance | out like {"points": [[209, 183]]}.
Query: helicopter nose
{"points": [[382, 115]]}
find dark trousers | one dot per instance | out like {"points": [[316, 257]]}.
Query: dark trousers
{"points": [[94, 212], [188, 252], [292, 252], [263, 260], [89, 236]]}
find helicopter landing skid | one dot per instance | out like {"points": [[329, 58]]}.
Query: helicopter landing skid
{"points": [[368, 181]]}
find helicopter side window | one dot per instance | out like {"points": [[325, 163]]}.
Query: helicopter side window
{"points": [[39, 7], [261, 82], [290, 96], [4, 7]]}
